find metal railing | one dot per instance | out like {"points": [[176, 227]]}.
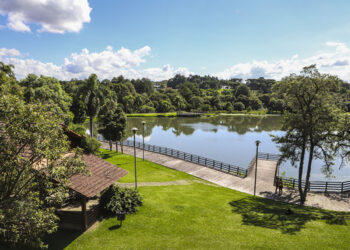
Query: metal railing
{"points": [[207, 162], [317, 186]]}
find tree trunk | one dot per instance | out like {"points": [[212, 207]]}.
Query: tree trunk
{"points": [[91, 126], [301, 167], [308, 173], [121, 146], [110, 145], [116, 146]]}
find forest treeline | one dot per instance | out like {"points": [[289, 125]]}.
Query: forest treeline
{"points": [[193, 94]]}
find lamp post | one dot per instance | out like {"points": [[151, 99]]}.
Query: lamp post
{"points": [[143, 140], [134, 131], [256, 163]]}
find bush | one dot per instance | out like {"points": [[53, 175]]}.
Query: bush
{"points": [[147, 109], [116, 199], [90, 145], [239, 106]]}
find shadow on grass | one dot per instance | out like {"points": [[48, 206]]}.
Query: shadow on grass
{"points": [[114, 227], [288, 218], [62, 238]]}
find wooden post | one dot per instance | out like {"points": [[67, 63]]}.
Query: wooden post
{"points": [[221, 166], [342, 187], [191, 157], [293, 183], [84, 215], [326, 187], [205, 163]]}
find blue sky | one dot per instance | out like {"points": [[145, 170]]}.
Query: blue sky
{"points": [[223, 38]]}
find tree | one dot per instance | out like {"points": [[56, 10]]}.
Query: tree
{"points": [[7, 69], [255, 103], [176, 81], [239, 106], [242, 90], [93, 98], [143, 85], [34, 169], [48, 90], [112, 122], [311, 122]]}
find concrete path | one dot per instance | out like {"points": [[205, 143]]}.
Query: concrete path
{"points": [[264, 187]]}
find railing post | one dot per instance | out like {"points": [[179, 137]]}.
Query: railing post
{"points": [[342, 187], [326, 187], [205, 162], [213, 164], [237, 171], [221, 166], [293, 183], [177, 154], [184, 155], [229, 168], [191, 157], [267, 155], [198, 159]]}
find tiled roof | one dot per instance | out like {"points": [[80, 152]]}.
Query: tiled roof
{"points": [[103, 174]]}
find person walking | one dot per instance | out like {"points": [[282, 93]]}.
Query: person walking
{"points": [[280, 186]]}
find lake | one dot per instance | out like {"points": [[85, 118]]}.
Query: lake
{"points": [[226, 138]]}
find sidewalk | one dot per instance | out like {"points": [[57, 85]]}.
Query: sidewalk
{"points": [[264, 187]]}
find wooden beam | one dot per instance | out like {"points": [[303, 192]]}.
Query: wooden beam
{"points": [[83, 212]]}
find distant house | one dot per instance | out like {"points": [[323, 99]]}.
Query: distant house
{"points": [[225, 87]]}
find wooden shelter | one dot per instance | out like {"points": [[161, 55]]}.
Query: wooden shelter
{"points": [[102, 174]]}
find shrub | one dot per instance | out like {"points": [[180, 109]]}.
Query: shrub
{"points": [[239, 106], [116, 199], [90, 145], [147, 109]]}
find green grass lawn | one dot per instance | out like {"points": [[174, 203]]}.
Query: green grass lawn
{"points": [[146, 170], [202, 216]]}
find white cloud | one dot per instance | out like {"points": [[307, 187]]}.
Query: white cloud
{"points": [[110, 63], [336, 61], [106, 64], [56, 16], [164, 73], [9, 52]]}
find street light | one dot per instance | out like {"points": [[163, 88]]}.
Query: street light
{"points": [[256, 163], [134, 131], [143, 140]]}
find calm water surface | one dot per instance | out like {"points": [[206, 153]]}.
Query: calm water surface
{"points": [[230, 139]]}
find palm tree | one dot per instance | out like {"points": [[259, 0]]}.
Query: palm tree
{"points": [[93, 97]]}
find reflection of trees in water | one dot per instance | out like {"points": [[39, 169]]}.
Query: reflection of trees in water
{"points": [[187, 125]]}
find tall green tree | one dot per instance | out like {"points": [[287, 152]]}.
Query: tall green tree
{"points": [[311, 122], [93, 98], [112, 123], [34, 168], [48, 90]]}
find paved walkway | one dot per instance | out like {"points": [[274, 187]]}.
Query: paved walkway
{"points": [[264, 187]]}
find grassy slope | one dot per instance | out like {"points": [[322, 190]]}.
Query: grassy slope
{"points": [[206, 217], [146, 170]]}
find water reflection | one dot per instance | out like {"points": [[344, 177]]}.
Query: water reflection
{"points": [[187, 126], [229, 139]]}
